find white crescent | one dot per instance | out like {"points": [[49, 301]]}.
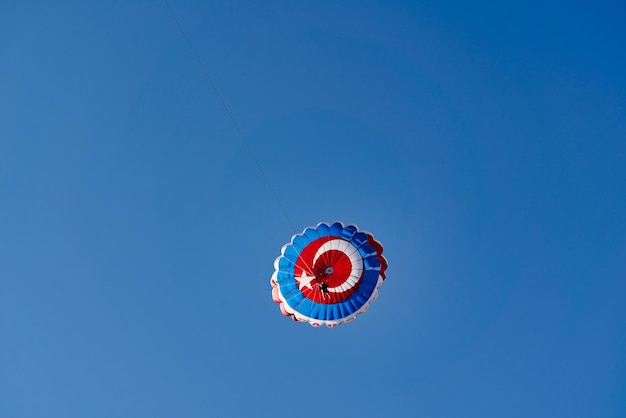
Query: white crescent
{"points": [[353, 255]]}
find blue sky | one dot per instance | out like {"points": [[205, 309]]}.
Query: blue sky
{"points": [[484, 145]]}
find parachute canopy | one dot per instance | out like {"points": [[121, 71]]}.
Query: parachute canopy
{"points": [[328, 274]]}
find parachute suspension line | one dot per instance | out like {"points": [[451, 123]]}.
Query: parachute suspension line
{"points": [[230, 115]]}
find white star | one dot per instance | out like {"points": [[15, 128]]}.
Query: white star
{"points": [[305, 281]]}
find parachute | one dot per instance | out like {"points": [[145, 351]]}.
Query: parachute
{"points": [[328, 274]]}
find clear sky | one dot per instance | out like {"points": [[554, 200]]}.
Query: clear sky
{"points": [[482, 143]]}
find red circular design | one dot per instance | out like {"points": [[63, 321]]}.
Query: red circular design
{"points": [[331, 270]]}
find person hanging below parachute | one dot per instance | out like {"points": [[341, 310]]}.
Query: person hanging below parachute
{"points": [[328, 274]]}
